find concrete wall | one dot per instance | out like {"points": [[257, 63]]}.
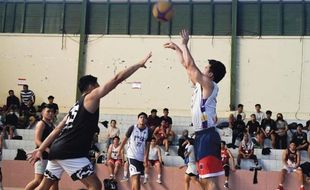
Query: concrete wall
{"points": [[271, 71]]}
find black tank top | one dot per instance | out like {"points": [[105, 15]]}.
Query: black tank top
{"points": [[46, 131], [292, 156], [77, 135]]}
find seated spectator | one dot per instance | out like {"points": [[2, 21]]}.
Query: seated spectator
{"points": [[300, 139], [268, 128], [238, 130], [226, 156], [171, 134], [155, 160], [12, 100], [54, 105], [29, 110], [11, 121], [182, 139], [240, 111], [231, 120], [303, 170], [32, 123], [153, 120], [25, 96], [161, 136], [259, 114], [113, 131], [246, 151], [281, 132], [253, 127], [115, 157], [291, 161]]}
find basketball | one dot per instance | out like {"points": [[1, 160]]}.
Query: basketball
{"points": [[163, 11]]}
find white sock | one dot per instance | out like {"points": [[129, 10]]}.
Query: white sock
{"points": [[158, 176], [125, 173], [145, 176]]}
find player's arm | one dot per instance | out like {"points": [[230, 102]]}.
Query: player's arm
{"points": [[37, 153], [91, 101]]}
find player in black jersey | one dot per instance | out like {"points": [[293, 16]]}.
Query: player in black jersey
{"points": [[71, 140]]}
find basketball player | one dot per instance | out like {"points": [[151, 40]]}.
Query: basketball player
{"points": [[72, 138], [207, 141], [139, 137], [291, 161]]}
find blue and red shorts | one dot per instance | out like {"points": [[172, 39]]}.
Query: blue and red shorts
{"points": [[208, 153]]}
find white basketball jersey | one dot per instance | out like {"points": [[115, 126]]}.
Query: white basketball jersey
{"points": [[115, 151], [204, 111], [137, 143], [153, 154]]}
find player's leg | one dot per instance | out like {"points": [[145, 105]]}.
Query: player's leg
{"points": [[52, 175]]}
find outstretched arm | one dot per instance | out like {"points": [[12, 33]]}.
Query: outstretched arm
{"points": [[91, 101]]}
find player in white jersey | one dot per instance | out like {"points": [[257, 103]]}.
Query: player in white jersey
{"points": [[139, 137], [207, 140], [115, 157]]}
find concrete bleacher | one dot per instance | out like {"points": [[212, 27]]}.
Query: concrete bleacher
{"points": [[270, 162]]}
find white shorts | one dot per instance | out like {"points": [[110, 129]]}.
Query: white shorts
{"points": [[77, 168], [40, 166], [191, 169], [289, 169]]}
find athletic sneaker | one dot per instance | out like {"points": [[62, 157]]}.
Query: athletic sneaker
{"points": [[145, 180], [158, 180], [124, 179], [226, 185], [166, 153], [280, 188]]}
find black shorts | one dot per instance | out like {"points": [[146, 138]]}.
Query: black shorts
{"points": [[136, 167], [305, 167], [191, 175]]}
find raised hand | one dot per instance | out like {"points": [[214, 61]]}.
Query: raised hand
{"points": [[185, 36], [143, 62], [171, 45], [34, 156]]}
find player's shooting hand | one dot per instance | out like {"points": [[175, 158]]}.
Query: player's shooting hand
{"points": [[185, 36], [34, 156], [143, 62]]}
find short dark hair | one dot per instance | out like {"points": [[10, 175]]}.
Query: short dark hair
{"points": [[49, 106], [268, 112], [223, 142], [258, 105], [85, 81], [50, 97], [154, 110], [116, 137], [218, 69], [166, 109], [142, 113], [240, 105], [308, 123], [11, 91], [25, 85]]}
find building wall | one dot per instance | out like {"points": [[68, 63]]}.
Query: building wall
{"points": [[272, 71]]}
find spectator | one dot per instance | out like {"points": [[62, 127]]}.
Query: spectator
{"points": [[226, 156], [32, 123], [153, 120], [182, 139], [29, 110], [191, 173], [281, 132], [155, 160], [259, 114], [268, 128], [113, 131], [12, 100], [11, 121], [161, 136], [115, 157], [25, 96], [291, 161], [231, 120], [246, 151], [168, 120], [238, 130], [303, 170], [300, 139], [240, 111], [253, 127]]}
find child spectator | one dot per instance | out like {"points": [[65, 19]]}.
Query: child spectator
{"points": [[226, 156]]}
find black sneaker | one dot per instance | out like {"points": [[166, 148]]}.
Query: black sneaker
{"points": [[226, 185]]}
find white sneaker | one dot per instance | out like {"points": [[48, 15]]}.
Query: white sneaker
{"points": [[166, 153], [158, 180], [124, 179], [145, 180]]}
